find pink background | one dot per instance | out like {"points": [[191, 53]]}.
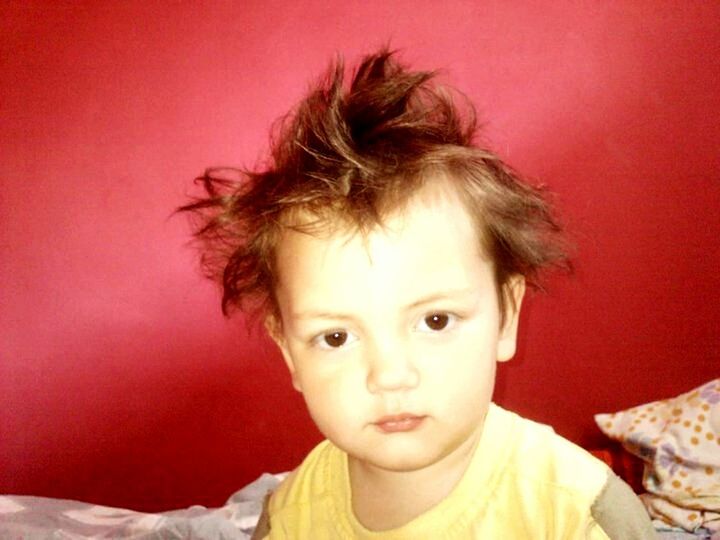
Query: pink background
{"points": [[120, 382]]}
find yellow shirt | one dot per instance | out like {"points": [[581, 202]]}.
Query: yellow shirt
{"points": [[524, 481]]}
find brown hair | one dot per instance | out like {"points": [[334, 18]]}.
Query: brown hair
{"points": [[354, 153]]}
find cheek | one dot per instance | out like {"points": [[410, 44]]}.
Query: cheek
{"points": [[466, 373], [468, 354], [333, 399]]}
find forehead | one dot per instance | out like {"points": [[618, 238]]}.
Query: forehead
{"points": [[429, 243]]}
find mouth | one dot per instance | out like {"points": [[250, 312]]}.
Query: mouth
{"points": [[399, 423]]}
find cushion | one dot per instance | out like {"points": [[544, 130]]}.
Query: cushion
{"points": [[679, 441]]}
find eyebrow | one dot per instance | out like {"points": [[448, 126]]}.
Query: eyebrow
{"points": [[305, 315], [453, 295]]}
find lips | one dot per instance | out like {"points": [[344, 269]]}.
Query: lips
{"points": [[399, 423]]}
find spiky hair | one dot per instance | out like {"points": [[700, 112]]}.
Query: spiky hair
{"points": [[353, 153]]}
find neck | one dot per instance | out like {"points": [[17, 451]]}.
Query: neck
{"points": [[384, 499]]}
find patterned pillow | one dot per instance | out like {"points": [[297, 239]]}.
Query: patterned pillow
{"points": [[679, 440]]}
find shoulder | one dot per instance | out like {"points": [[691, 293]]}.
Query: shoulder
{"points": [[568, 485], [309, 481], [305, 504], [543, 458]]}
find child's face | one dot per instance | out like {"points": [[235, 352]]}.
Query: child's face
{"points": [[393, 337]]}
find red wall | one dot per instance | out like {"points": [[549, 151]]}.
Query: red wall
{"points": [[120, 383]]}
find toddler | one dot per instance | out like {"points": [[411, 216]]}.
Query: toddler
{"points": [[388, 256]]}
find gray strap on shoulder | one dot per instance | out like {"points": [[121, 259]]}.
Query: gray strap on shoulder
{"points": [[620, 513]]}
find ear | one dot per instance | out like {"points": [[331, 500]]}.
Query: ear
{"points": [[513, 292], [274, 328]]}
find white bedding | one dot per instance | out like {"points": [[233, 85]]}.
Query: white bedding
{"points": [[40, 518]]}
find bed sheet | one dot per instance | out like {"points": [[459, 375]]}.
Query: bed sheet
{"points": [[41, 518]]}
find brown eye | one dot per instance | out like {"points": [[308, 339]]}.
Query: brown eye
{"points": [[437, 321], [335, 339]]}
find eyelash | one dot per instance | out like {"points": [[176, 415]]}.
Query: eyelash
{"points": [[345, 338], [321, 340], [450, 323]]}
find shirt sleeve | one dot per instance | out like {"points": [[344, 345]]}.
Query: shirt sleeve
{"points": [[262, 529], [620, 514]]}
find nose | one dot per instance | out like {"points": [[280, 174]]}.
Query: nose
{"points": [[390, 368]]}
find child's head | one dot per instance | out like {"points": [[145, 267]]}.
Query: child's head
{"points": [[390, 257], [392, 335]]}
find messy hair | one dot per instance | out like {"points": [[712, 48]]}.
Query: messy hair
{"points": [[352, 153]]}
